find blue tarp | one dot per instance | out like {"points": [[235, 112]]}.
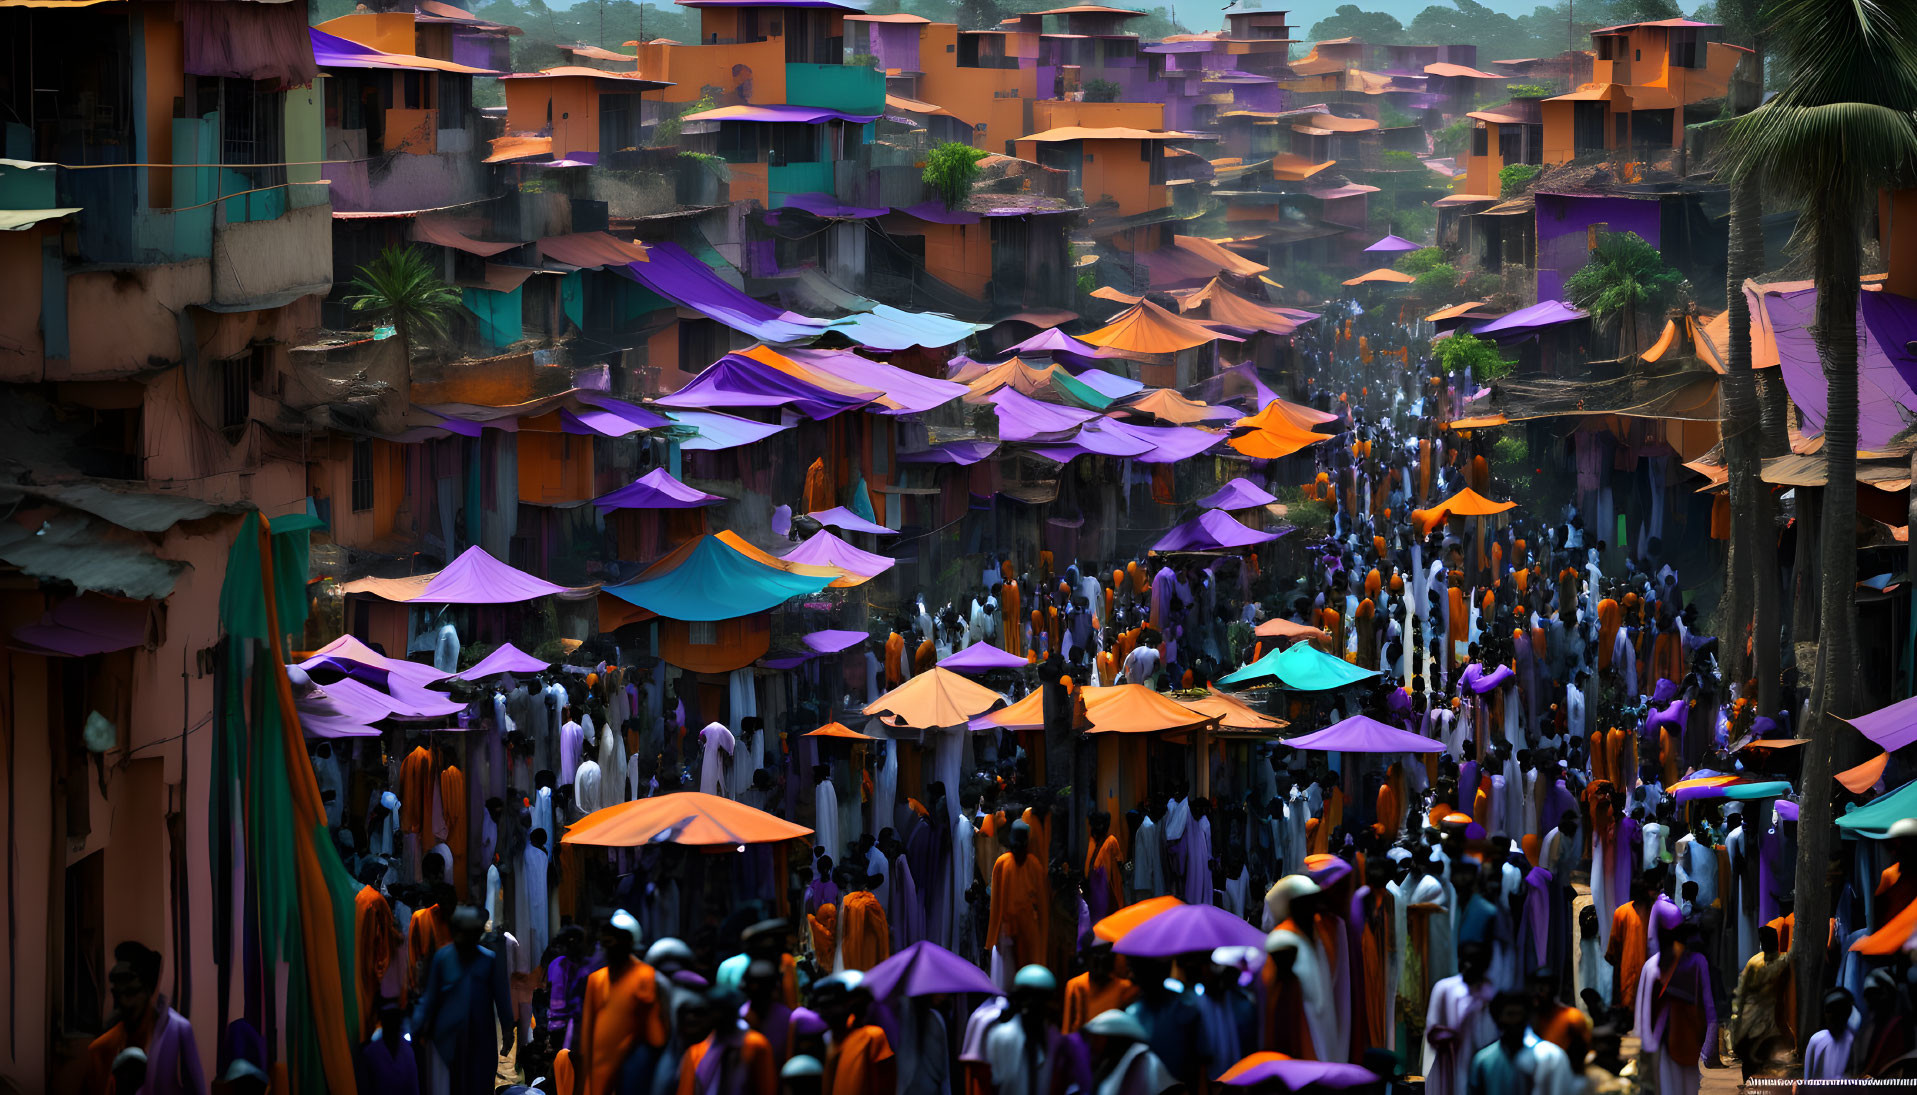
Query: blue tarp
{"points": [[1875, 819], [712, 581], [1299, 667], [721, 431], [889, 328]]}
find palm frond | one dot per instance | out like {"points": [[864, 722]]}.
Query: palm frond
{"points": [[1862, 51], [1840, 151], [402, 286]]}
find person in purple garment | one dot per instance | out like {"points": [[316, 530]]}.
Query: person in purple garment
{"points": [[566, 987], [145, 1022], [386, 1062]]}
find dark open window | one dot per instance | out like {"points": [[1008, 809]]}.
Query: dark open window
{"points": [[362, 474]]}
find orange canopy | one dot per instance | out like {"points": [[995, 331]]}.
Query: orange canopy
{"points": [[1287, 629], [1284, 410], [984, 379], [935, 700], [1382, 274], [1168, 406], [1865, 776], [1221, 305], [1465, 503], [1454, 311], [841, 578], [1233, 713], [1214, 251], [687, 817], [1262, 1057], [1145, 328], [838, 730], [1120, 924], [1111, 709], [817, 377], [1273, 441]]}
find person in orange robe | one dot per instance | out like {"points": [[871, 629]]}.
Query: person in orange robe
{"points": [[1610, 617], [1630, 943], [452, 808], [1391, 801], [620, 1025], [1374, 952], [818, 487], [1019, 920], [1096, 991], [1104, 893], [1012, 635], [824, 926], [860, 1060], [742, 1062], [925, 657], [373, 932], [416, 790], [430, 929], [865, 939], [1038, 818], [894, 659], [1458, 630]]}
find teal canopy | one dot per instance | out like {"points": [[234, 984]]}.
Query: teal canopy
{"points": [[1875, 819], [709, 580], [1299, 667]]}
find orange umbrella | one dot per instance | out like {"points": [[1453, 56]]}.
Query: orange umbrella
{"points": [[1168, 406], [1145, 328], [1120, 924], [1278, 439], [688, 817], [1110, 709], [1382, 274], [933, 700], [837, 730], [1284, 411]]}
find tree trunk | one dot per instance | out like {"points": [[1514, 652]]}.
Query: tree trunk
{"points": [[1836, 272], [1804, 572], [1740, 427]]}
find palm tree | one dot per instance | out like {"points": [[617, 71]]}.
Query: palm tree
{"points": [[1841, 127], [1624, 278], [401, 287]]}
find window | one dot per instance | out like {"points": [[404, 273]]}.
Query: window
{"points": [[84, 948], [409, 94], [1481, 141], [455, 100], [702, 633], [1684, 48], [252, 125], [236, 392], [1117, 49], [362, 474]]}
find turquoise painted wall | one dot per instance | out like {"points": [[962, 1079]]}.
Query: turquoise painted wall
{"points": [[836, 87]]}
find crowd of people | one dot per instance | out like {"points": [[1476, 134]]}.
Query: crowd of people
{"points": [[1539, 905]]}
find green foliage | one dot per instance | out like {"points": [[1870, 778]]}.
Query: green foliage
{"points": [[1624, 278], [1351, 21], [1390, 117], [1531, 91], [1465, 351], [402, 288], [1437, 282], [1101, 91], [862, 60], [666, 133], [1514, 177], [702, 157], [951, 168], [1421, 260], [1397, 159], [1510, 452], [1157, 23], [1302, 512], [1455, 138]]}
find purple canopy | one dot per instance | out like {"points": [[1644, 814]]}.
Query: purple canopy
{"points": [[962, 453], [1022, 418], [1393, 243], [656, 489], [609, 417], [980, 657], [87, 624], [506, 658], [1892, 727], [913, 393], [839, 517], [937, 213], [926, 969], [1212, 530], [1886, 405], [1240, 493], [322, 717], [673, 273], [1052, 340], [831, 642], [739, 381], [1187, 928], [1167, 444], [1296, 1075], [476, 578], [1095, 438], [415, 703], [1362, 734], [826, 550], [1526, 322]]}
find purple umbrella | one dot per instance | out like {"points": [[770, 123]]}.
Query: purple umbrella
{"points": [[1393, 244], [831, 642], [1296, 1075], [926, 969], [980, 657], [1188, 928]]}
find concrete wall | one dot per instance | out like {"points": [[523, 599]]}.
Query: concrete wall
{"points": [[259, 260]]}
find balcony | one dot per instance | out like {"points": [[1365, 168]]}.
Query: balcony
{"points": [[835, 87]]}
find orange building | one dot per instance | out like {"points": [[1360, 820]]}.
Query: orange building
{"points": [[1649, 81]]}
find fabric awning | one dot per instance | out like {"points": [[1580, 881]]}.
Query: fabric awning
{"points": [[1393, 244], [456, 232], [839, 517], [476, 578], [1526, 322], [505, 659], [1148, 329], [1239, 493], [707, 579], [747, 112], [1212, 530], [822, 548], [1382, 275], [1891, 727], [981, 657], [592, 250], [1022, 418], [1362, 734], [1299, 667], [716, 432], [739, 381], [656, 489], [832, 641], [686, 817], [1874, 819], [331, 51]]}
